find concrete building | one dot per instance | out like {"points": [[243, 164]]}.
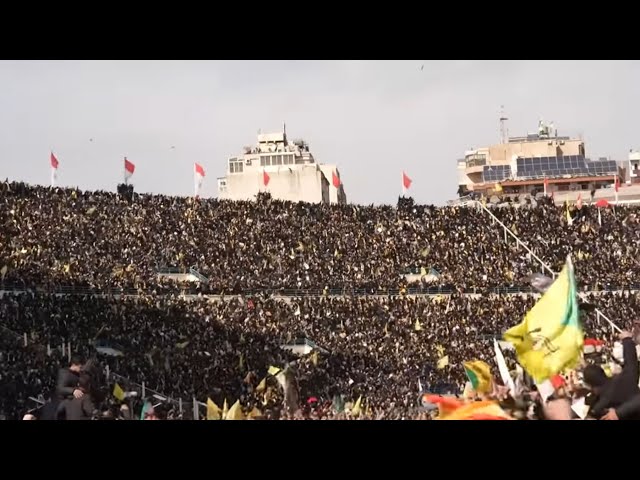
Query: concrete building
{"points": [[634, 167], [530, 164], [286, 169]]}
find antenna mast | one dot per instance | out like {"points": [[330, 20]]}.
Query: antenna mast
{"points": [[504, 133]]}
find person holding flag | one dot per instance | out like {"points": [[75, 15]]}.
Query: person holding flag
{"points": [[198, 177], [129, 168]]}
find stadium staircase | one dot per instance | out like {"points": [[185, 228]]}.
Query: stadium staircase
{"points": [[507, 232]]}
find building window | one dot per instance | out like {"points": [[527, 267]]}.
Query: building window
{"points": [[262, 161], [232, 167], [239, 167], [278, 159]]}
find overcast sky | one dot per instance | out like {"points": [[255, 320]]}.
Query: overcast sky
{"points": [[371, 118]]}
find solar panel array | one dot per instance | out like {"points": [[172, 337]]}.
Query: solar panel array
{"points": [[496, 173], [574, 165]]}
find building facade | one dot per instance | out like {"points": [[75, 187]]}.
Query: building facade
{"points": [[535, 163], [286, 169]]}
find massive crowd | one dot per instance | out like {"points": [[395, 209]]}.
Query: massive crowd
{"points": [[380, 348], [385, 349], [63, 237]]}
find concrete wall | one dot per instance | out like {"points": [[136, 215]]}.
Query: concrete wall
{"points": [[296, 183]]}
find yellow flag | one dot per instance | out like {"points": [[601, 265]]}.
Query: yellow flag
{"points": [[549, 339], [417, 327], [273, 370], [262, 385], [225, 410], [118, 392], [357, 408], [235, 412], [314, 358], [423, 272], [213, 410], [498, 188], [443, 362], [569, 219]]}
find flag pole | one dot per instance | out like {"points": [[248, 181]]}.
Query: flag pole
{"points": [[404, 190], [125, 171]]}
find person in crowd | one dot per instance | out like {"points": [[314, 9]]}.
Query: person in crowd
{"points": [[68, 384], [81, 407], [612, 393]]}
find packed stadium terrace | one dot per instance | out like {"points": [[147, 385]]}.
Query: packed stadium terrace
{"points": [[55, 237], [372, 346], [378, 347]]}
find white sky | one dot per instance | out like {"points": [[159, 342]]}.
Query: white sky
{"points": [[371, 118]]}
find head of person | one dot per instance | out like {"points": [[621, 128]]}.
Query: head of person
{"points": [[76, 363], [595, 378]]}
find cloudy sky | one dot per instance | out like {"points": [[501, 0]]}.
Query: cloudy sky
{"points": [[371, 118]]}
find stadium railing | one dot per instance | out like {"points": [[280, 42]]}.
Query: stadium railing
{"points": [[298, 293]]}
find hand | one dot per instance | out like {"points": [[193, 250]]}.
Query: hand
{"points": [[611, 415], [78, 393], [625, 334]]}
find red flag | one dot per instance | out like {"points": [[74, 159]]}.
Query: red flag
{"points": [[406, 181], [54, 161], [129, 167], [579, 202], [199, 170], [265, 178], [336, 180]]}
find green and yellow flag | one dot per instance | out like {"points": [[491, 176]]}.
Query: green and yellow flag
{"points": [[479, 374], [549, 339]]}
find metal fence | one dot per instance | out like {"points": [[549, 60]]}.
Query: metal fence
{"points": [[297, 293]]}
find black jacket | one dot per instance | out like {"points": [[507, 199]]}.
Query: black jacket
{"points": [[79, 408], [67, 383], [622, 388]]}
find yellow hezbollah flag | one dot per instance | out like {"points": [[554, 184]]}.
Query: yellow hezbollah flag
{"points": [[262, 386], [213, 410], [273, 370], [225, 409], [569, 219], [417, 327], [118, 392], [479, 374], [549, 339]]}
